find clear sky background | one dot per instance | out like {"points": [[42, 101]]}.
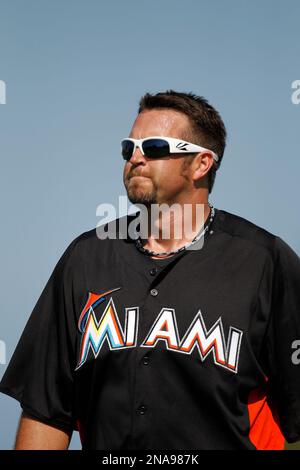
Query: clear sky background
{"points": [[75, 71]]}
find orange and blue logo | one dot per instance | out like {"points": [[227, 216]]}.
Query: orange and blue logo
{"points": [[94, 332]]}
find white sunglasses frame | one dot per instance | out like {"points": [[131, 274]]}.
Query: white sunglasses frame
{"points": [[176, 145]]}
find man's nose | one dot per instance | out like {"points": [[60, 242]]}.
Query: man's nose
{"points": [[137, 157]]}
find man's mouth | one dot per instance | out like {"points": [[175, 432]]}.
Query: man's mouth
{"points": [[137, 176]]}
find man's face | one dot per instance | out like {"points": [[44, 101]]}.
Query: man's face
{"points": [[162, 180]]}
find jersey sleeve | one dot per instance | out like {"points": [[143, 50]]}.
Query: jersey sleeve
{"points": [[282, 336], [40, 372]]}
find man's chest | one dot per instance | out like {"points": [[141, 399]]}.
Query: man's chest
{"points": [[197, 312]]}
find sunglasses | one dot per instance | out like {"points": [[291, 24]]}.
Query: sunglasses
{"points": [[158, 147]]}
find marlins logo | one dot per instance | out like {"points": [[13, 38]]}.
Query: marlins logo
{"points": [[164, 328], [108, 327]]}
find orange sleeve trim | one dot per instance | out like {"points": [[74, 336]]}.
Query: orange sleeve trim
{"points": [[264, 432]]}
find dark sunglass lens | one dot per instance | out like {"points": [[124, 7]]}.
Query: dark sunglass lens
{"points": [[127, 149], [156, 148]]}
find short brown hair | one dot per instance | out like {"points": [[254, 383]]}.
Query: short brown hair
{"points": [[207, 127]]}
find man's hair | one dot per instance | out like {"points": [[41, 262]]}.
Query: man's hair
{"points": [[207, 128]]}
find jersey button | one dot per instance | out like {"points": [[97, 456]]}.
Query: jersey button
{"points": [[141, 410], [153, 271], [154, 292], [146, 360]]}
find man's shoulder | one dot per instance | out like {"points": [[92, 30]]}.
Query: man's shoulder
{"points": [[243, 228], [103, 236], [256, 235]]}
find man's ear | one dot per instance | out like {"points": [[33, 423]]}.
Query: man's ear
{"points": [[201, 165]]}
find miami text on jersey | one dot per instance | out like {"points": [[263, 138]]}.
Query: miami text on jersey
{"points": [[164, 328]]}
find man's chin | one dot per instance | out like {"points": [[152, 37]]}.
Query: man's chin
{"points": [[145, 199]]}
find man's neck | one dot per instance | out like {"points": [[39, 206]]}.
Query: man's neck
{"points": [[175, 226]]}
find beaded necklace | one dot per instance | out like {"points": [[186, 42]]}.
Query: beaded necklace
{"points": [[145, 251]]}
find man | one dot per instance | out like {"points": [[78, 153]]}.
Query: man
{"points": [[156, 342]]}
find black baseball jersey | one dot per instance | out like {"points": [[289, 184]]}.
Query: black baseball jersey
{"points": [[190, 352]]}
